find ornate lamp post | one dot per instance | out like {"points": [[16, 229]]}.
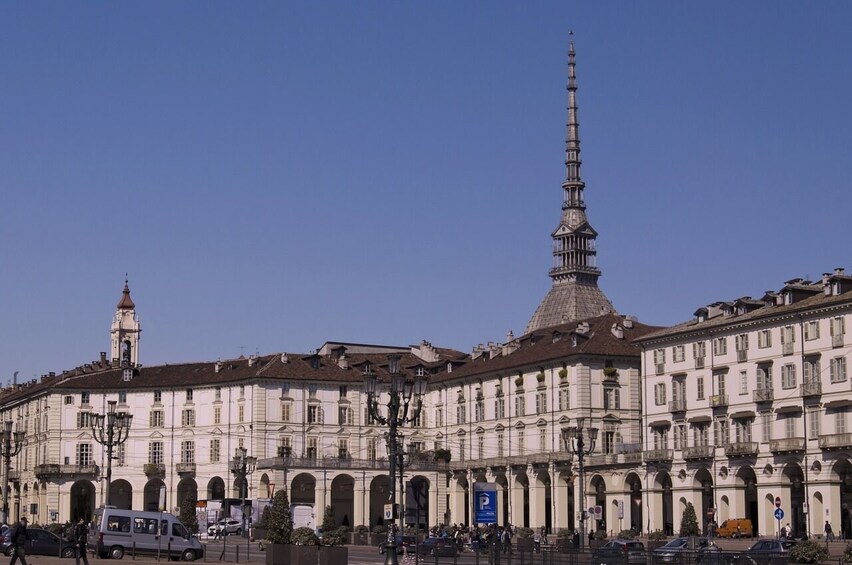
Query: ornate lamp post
{"points": [[242, 465], [404, 393], [11, 445], [574, 440], [110, 430]]}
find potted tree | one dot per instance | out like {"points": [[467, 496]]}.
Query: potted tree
{"points": [[279, 526], [303, 547], [359, 536], [332, 549]]}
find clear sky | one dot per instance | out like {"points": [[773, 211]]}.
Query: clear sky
{"points": [[275, 175]]}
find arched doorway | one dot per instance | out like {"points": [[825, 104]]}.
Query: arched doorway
{"points": [[121, 494], [842, 473], [796, 480], [417, 503], [704, 484], [598, 488], [633, 486], [664, 485], [151, 495], [303, 491], [379, 496], [187, 488], [82, 501], [216, 489], [747, 481], [343, 500]]}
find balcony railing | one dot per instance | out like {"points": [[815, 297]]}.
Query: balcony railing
{"points": [[50, 470], [837, 340], [762, 395], [787, 445], [835, 441], [811, 389], [658, 455], [719, 400], [741, 449], [677, 406], [698, 452], [348, 463], [185, 468], [154, 469], [601, 459]]}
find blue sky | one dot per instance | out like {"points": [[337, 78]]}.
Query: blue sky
{"points": [[274, 175]]}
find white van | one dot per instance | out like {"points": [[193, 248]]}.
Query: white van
{"points": [[115, 532]]}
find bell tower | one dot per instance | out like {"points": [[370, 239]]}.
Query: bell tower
{"points": [[125, 331]]}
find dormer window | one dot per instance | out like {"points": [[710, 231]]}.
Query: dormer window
{"points": [[315, 363], [420, 372]]}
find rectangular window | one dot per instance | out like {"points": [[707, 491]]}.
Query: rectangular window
{"points": [[720, 346], [285, 411], [678, 353], [700, 435], [122, 397], [699, 350], [84, 420], [721, 432], [521, 443], [217, 415], [342, 448], [187, 418], [766, 427], [660, 360], [542, 440], [480, 410], [343, 390], [189, 395], [720, 384], [69, 400], [157, 419], [814, 417], [187, 451], [218, 393], [500, 444], [84, 398], [480, 446], [84, 454], [837, 369], [764, 377], [699, 388], [439, 417], [811, 370], [660, 394], [741, 342], [461, 449], [838, 326], [541, 402], [764, 339], [564, 398], [311, 451], [372, 449], [461, 414], [742, 430], [313, 414], [790, 425], [840, 421], [121, 457], [811, 330], [158, 396], [241, 413], [500, 408], [519, 406], [743, 382], [155, 452], [788, 376], [215, 450], [680, 436], [612, 398]]}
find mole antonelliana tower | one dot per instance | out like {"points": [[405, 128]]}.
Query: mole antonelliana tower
{"points": [[575, 294]]}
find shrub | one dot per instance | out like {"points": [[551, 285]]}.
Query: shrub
{"points": [[263, 522], [808, 551], [519, 381], [525, 532], [328, 520], [304, 536], [361, 529], [279, 524], [689, 522], [627, 534], [443, 455], [380, 529], [334, 538], [563, 373], [656, 535], [540, 377], [600, 534], [847, 554]]}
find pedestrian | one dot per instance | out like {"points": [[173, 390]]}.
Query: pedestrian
{"points": [[829, 535], [537, 541], [789, 531], [217, 533], [506, 540], [81, 538], [19, 537]]}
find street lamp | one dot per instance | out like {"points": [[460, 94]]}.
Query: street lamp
{"points": [[110, 430], [574, 440], [242, 466], [10, 446], [404, 393]]}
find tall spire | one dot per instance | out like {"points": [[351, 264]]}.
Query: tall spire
{"points": [[575, 294]]}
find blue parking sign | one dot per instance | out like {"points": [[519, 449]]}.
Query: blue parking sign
{"points": [[485, 503]]}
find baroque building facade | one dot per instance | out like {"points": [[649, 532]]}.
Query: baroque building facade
{"points": [[749, 404]]}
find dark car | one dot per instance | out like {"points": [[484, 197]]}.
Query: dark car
{"points": [[41, 542], [680, 550], [440, 547], [404, 544], [620, 552], [766, 552]]}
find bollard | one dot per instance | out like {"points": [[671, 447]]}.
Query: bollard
{"points": [[238, 553], [133, 551]]}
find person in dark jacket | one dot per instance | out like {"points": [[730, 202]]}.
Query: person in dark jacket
{"points": [[19, 538], [81, 537]]}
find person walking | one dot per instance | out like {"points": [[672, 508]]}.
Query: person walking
{"points": [[829, 535], [19, 537], [81, 538]]}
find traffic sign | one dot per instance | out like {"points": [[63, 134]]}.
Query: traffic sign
{"points": [[779, 514], [388, 511], [777, 502]]}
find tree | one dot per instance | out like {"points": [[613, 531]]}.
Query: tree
{"points": [[187, 512], [280, 522], [328, 520], [689, 522]]}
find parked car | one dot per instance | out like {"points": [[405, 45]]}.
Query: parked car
{"points": [[404, 544], [735, 528], [620, 552], [41, 542], [766, 552], [440, 547], [679, 550], [226, 527]]}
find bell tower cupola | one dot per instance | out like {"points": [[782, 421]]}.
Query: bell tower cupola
{"points": [[125, 331]]}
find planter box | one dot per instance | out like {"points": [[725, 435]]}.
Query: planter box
{"points": [[359, 538], [338, 555], [286, 554]]}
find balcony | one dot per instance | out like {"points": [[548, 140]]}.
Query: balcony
{"points": [[719, 400], [787, 348], [154, 469], [699, 362], [14, 476], [741, 449], [350, 463], [601, 460], [49, 471], [762, 395], [787, 445], [658, 456], [742, 355], [677, 406], [697, 452], [837, 340], [811, 389], [835, 441], [187, 469]]}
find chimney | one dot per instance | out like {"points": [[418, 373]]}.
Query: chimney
{"points": [[628, 322], [510, 336], [252, 360], [343, 362], [217, 366], [617, 331], [284, 358], [103, 358], [839, 271]]}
